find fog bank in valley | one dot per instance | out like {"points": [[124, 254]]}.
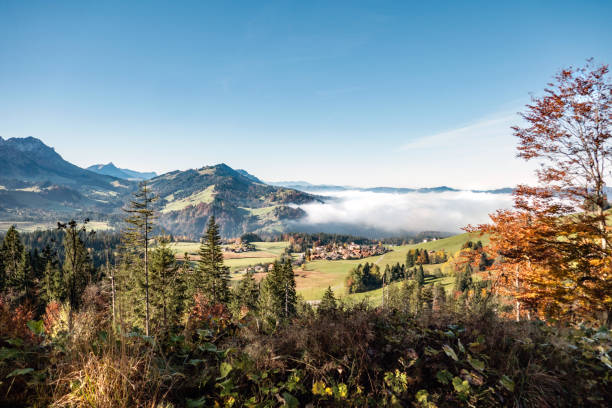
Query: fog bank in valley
{"points": [[372, 213]]}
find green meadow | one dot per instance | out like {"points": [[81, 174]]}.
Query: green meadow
{"points": [[265, 252], [313, 278]]}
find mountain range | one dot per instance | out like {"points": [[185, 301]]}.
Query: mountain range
{"points": [[306, 186], [37, 184], [110, 169]]}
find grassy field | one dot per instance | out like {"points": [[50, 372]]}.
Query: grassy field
{"points": [[260, 212], [316, 276], [204, 196], [266, 252], [375, 296]]}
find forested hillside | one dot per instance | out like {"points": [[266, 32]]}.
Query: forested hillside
{"points": [[240, 202]]}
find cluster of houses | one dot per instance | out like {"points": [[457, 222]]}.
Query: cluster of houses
{"points": [[334, 251], [238, 246], [261, 268]]}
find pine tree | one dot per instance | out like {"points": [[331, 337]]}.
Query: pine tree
{"points": [[12, 248], [463, 280], [410, 259], [136, 245], [246, 295], [212, 277], [167, 286], [53, 287], [420, 276], [288, 291], [278, 299], [328, 302], [77, 263], [38, 264], [21, 283]]}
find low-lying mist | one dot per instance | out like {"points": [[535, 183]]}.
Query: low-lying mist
{"points": [[372, 214]]}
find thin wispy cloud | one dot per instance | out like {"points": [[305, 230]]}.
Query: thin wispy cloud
{"points": [[486, 128]]}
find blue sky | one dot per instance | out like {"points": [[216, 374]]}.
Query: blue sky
{"points": [[361, 93]]}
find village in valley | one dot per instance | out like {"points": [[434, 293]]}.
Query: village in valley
{"points": [[330, 252], [333, 251]]}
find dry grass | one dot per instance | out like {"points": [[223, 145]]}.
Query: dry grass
{"points": [[119, 376]]}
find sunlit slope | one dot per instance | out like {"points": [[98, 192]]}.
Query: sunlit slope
{"points": [[316, 276]]}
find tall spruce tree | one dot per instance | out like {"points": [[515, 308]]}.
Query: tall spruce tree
{"points": [[22, 283], [463, 280], [288, 290], [77, 263], [278, 298], [328, 302], [212, 276], [167, 287], [420, 276], [12, 248], [53, 287], [52, 282], [246, 295], [135, 243]]}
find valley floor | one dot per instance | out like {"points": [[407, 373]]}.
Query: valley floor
{"points": [[314, 277]]}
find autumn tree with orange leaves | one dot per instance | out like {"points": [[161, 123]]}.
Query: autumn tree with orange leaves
{"points": [[554, 245]]}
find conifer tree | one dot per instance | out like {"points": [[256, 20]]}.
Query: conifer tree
{"points": [[12, 248], [246, 295], [278, 300], [420, 276], [167, 286], [410, 258], [77, 263], [288, 291], [136, 244], [425, 255], [22, 282], [53, 287], [463, 280], [328, 302], [38, 265], [212, 277]]}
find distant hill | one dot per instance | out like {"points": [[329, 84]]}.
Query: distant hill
{"points": [[110, 169], [240, 202], [37, 183], [305, 186], [30, 160]]}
